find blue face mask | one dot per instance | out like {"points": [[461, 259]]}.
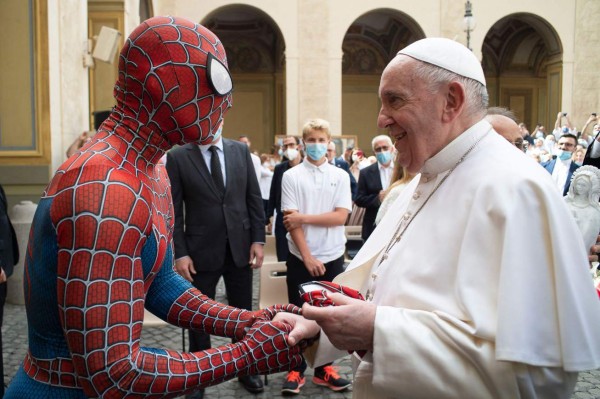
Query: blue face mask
{"points": [[316, 151], [384, 157], [564, 155]]}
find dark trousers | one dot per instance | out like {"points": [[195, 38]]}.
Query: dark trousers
{"points": [[238, 286], [281, 242], [298, 274], [2, 301]]}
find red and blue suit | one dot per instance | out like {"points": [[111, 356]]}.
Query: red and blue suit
{"points": [[100, 247]]}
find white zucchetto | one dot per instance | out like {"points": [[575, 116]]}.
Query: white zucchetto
{"points": [[447, 54]]}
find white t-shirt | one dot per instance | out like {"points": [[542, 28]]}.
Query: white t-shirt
{"points": [[314, 190]]}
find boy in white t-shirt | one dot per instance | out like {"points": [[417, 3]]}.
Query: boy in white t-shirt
{"points": [[315, 200]]}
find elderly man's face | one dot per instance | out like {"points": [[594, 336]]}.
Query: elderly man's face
{"points": [[507, 128], [411, 114]]}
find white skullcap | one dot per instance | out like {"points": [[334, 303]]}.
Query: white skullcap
{"points": [[447, 54]]}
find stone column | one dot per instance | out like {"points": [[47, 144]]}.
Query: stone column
{"points": [[21, 217]]}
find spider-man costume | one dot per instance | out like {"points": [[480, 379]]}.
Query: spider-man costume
{"points": [[100, 246]]}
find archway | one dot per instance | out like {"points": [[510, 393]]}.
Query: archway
{"points": [[522, 61], [255, 54], [371, 41]]}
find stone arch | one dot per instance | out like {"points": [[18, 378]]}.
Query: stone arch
{"points": [[256, 56], [522, 57], [370, 42]]}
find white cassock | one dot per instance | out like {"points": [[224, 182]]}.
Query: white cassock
{"points": [[487, 295]]}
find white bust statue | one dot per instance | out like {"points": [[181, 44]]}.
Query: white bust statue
{"points": [[582, 200]]}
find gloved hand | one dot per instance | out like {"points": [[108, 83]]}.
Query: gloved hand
{"points": [[263, 315], [267, 349]]}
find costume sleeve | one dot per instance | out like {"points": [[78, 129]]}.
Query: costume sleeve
{"points": [[102, 219]]}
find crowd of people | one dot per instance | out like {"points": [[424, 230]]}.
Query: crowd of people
{"points": [[473, 279]]}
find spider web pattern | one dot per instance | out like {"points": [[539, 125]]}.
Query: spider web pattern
{"points": [[104, 233]]}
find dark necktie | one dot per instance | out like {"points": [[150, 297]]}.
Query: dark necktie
{"points": [[215, 169]]}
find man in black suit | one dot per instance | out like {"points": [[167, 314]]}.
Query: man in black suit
{"points": [[292, 150], [340, 163], [373, 181], [9, 256], [219, 224]]}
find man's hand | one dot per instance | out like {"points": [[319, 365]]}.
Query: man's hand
{"points": [[349, 324], [293, 220], [256, 253], [381, 196], [594, 250], [2, 276], [185, 268], [314, 266], [301, 327]]}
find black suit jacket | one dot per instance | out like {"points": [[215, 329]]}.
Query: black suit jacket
{"points": [[9, 246], [205, 220], [340, 163], [369, 186], [275, 193], [589, 160]]}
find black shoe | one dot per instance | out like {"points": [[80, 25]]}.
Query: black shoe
{"points": [[252, 383], [199, 394]]}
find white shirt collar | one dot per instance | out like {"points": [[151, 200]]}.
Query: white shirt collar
{"points": [[320, 168], [449, 155], [218, 144]]}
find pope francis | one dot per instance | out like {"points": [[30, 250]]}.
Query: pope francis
{"points": [[476, 281]]}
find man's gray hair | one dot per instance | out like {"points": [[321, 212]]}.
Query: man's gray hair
{"points": [[476, 95], [379, 138]]}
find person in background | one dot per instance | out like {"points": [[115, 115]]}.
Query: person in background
{"points": [[400, 178], [255, 158], [292, 150], [476, 285], [539, 132], [373, 182], [504, 123], [340, 163], [525, 134], [592, 156], [357, 160], [560, 127], [348, 154], [578, 157], [315, 200], [266, 176], [562, 167], [591, 121], [9, 256], [219, 224]]}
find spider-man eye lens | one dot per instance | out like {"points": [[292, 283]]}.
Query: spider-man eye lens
{"points": [[218, 76]]}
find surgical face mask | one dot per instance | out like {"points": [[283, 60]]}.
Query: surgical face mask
{"points": [[544, 157], [354, 158], [578, 163], [564, 155], [291, 153], [280, 152], [316, 151], [384, 157]]}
